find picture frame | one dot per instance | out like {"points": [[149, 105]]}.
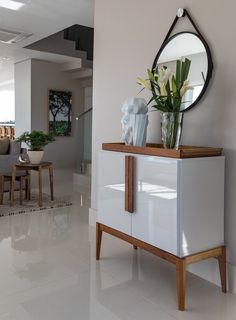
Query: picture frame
{"points": [[60, 112]]}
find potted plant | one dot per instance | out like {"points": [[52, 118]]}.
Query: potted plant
{"points": [[168, 91], [36, 141]]}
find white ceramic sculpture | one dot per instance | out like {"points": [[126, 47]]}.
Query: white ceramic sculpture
{"points": [[135, 121]]}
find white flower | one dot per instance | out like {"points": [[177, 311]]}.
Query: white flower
{"points": [[185, 88], [163, 91], [163, 77]]}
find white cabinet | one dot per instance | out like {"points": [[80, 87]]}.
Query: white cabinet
{"points": [[178, 203], [155, 218], [111, 189]]}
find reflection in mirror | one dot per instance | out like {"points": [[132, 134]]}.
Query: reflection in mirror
{"points": [[188, 45]]}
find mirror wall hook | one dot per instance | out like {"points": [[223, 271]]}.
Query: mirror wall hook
{"points": [[180, 12]]}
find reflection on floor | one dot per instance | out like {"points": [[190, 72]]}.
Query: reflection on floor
{"points": [[49, 272]]}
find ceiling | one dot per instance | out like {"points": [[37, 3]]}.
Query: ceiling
{"points": [[42, 18]]}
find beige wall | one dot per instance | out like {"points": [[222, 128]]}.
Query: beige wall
{"points": [[128, 34], [42, 76]]}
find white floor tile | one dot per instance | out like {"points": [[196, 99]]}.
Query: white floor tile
{"points": [[48, 271]]}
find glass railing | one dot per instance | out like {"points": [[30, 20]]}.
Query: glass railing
{"points": [[84, 142]]}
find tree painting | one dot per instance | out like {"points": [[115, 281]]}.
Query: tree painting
{"points": [[60, 104]]}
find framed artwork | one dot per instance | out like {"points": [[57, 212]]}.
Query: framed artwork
{"points": [[60, 112]]}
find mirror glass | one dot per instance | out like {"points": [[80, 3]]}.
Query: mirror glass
{"points": [[192, 46]]}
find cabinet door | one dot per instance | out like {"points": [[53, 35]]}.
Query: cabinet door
{"points": [[111, 191], [201, 204], [155, 217]]}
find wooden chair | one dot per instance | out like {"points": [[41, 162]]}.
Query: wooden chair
{"points": [[8, 132], [24, 182], [12, 133], [2, 132]]}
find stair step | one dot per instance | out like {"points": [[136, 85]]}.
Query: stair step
{"points": [[71, 65], [83, 37], [82, 74]]}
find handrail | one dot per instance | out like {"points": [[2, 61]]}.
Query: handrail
{"points": [[83, 113]]}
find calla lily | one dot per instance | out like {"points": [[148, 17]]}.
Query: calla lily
{"points": [[163, 75], [144, 83], [163, 91]]}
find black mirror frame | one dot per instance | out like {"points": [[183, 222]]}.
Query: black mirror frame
{"points": [[208, 52]]}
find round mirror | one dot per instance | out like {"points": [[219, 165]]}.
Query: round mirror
{"points": [[194, 47]]}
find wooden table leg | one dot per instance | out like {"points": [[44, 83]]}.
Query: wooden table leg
{"points": [[180, 279], [12, 185], [51, 182], [98, 240], [40, 187], [21, 193], [1, 189], [29, 185], [222, 267]]}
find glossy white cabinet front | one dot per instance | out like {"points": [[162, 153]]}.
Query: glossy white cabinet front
{"points": [[178, 203], [155, 217], [111, 191]]}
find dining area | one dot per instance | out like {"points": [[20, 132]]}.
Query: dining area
{"points": [[19, 180]]}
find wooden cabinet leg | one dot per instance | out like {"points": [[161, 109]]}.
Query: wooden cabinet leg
{"points": [[180, 280], [98, 240], [222, 267]]}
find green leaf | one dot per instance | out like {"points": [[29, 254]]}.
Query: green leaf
{"points": [[185, 69], [150, 75], [178, 74], [188, 64], [173, 83]]}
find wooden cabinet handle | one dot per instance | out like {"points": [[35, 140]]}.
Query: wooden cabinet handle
{"points": [[129, 184]]}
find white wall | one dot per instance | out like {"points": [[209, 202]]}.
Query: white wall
{"points": [[128, 34], [22, 97], [33, 79]]}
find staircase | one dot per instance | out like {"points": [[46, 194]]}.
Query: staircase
{"points": [[83, 37], [76, 42]]}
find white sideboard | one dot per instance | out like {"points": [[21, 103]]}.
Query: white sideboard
{"points": [[176, 205]]}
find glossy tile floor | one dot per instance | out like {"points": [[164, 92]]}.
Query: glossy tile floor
{"points": [[49, 272]]}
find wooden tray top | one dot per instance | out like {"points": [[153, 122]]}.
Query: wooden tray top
{"points": [[154, 149]]}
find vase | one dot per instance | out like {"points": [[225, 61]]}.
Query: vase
{"points": [[171, 129], [35, 157]]}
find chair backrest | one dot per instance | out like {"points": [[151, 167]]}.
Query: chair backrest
{"points": [[7, 131], [2, 132]]}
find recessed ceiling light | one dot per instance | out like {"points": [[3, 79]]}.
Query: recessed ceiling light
{"points": [[12, 5]]}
